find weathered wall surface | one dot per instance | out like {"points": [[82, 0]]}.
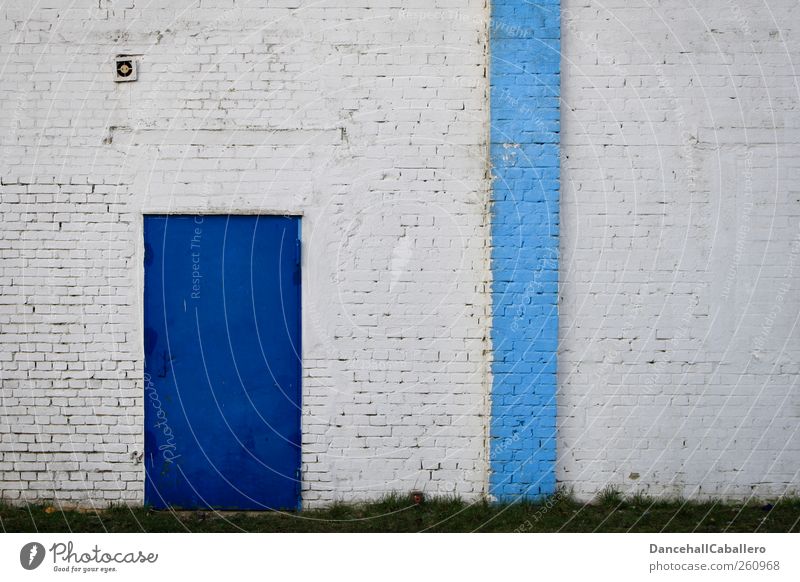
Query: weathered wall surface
{"points": [[680, 351], [369, 119]]}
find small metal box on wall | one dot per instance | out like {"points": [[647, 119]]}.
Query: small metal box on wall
{"points": [[125, 68]]}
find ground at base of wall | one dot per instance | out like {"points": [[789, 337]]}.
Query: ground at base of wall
{"points": [[556, 514]]}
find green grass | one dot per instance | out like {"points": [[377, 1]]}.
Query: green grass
{"points": [[610, 513]]}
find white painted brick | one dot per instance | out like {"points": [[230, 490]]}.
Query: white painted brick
{"points": [[680, 154], [383, 150]]}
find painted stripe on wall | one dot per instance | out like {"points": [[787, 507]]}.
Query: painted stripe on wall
{"points": [[524, 82]]}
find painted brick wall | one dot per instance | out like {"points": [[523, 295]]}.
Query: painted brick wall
{"points": [[524, 83], [367, 118], [680, 351]]}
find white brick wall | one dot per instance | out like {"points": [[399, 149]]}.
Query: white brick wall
{"points": [[680, 245], [680, 347], [367, 117]]}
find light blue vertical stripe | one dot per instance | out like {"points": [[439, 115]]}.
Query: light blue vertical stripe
{"points": [[524, 91]]}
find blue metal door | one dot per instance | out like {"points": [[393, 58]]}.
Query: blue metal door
{"points": [[222, 361]]}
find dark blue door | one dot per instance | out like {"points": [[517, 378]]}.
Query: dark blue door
{"points": [[222, 361]]}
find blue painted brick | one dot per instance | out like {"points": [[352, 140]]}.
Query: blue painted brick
{"points": [[524, 93]]}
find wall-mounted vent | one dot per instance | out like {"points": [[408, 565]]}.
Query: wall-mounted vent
{"points": [[124, 68]]}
